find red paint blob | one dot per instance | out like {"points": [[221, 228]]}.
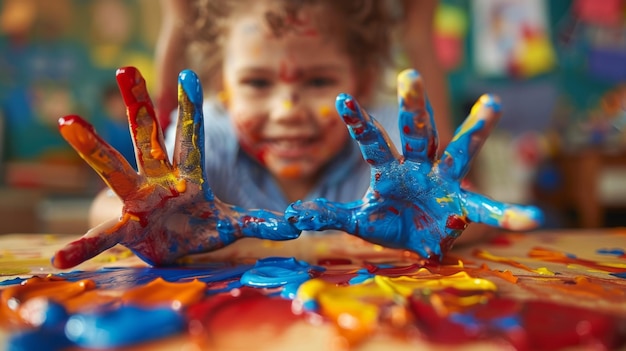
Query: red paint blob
{"points": [[456, 222], [350, 104]]}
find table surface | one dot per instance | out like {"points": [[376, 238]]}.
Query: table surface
{"points": [[581, 269]]}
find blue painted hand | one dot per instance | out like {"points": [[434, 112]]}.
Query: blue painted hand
{"points": [[415, 200]]}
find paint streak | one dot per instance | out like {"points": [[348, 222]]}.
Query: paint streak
{"points": [[510, 261], [619, 253], [549, 255], [162, 293]]}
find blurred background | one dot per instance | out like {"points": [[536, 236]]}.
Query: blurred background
{"points": [[559, 67]]}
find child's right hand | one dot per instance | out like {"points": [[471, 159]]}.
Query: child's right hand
{"points": [[169, 209]]}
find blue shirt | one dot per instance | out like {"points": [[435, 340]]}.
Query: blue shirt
{"points": [[237, 179]]}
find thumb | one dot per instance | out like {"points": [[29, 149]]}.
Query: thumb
{"points": [[95, 241], [321, 214], [267, 225]]}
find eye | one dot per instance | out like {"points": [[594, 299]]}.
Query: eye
{"points": [[257, 83], [320, 82]]}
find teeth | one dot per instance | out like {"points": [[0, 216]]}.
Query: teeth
{"points": [[291, 143]]}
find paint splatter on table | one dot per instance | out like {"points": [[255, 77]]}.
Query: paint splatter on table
{"points": [[546, 290]]}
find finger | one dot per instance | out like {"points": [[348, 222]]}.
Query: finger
{"points": [[267, 225], [321, 214], [482, 209], [417, 126], [470, 137], [189, 149], [110, 165], [147, 135], [88, 246], [371, 136]]}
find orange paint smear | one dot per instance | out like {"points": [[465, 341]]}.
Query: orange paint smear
{"points": [[506, 275], [156, 151], [584, 287], [88, 146], [490, 257], [73, 295], [17, 302], [181, 185], [290, 171], [125, 218], [162, 292], [549, 255]]}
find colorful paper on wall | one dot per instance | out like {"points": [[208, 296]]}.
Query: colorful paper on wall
{"points": [[511, 38]]}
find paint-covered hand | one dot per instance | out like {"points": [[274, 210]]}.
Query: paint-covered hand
{"points": [[169, 209], [415, 200]]}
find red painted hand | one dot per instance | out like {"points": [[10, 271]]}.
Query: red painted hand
{"points": [[169, 209]]}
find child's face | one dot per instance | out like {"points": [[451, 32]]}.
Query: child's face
{"points": [[280, 92]]}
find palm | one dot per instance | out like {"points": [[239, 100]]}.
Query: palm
{"points": [[169, 209], [415, 200]]}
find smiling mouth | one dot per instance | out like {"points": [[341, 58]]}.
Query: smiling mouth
{"points": [[292, 148]]}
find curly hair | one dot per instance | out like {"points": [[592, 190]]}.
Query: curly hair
{"points": [[366, 26]]}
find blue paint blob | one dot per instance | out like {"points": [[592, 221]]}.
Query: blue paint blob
{"points": [[39, 339], [362, 275], [273, 272], [54, 316], [124, 326], [14, 281], [612, 252], [506, 323], [127, 278], [290, 291], [619, 275], [310, 305], [48, 336]]}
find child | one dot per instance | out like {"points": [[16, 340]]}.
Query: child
{"points": [[278, 139], [413, 22], [319, 65]]}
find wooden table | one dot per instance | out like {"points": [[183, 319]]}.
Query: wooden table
{"points": [[567, 271]]}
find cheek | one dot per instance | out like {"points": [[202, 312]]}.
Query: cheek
{"points": [[247, 128], [328, 116], [336, 134], [332, 125]]}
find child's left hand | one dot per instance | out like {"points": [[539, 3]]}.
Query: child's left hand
{"points": [[415, 200], [169, 209]]}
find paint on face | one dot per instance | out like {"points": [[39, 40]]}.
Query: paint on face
{"points": [[279, 95], [326, 112], [288, 72]]}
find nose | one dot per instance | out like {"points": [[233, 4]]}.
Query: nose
{"points": [[288, 108]]}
